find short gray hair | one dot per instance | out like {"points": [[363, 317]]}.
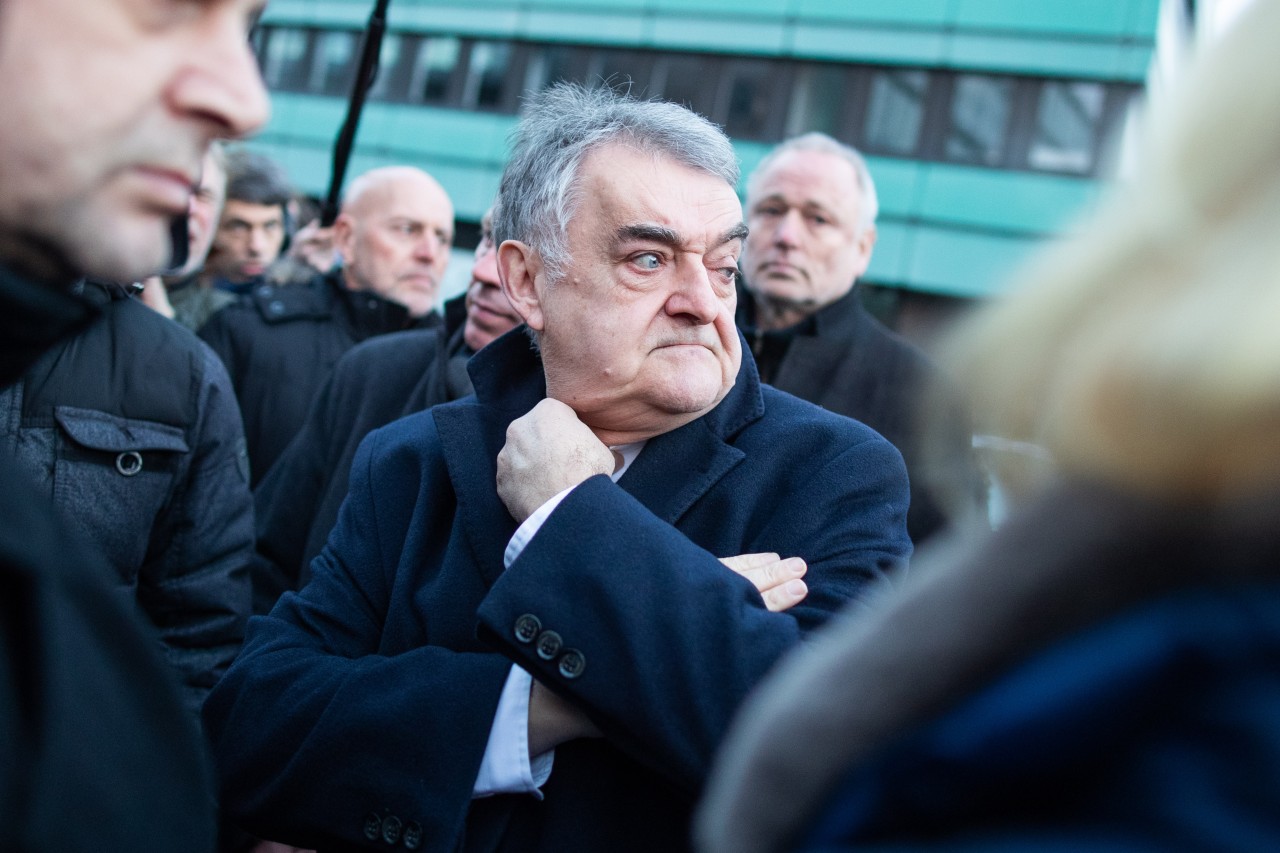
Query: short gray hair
{"points": [[870, 206], [561, 125]]}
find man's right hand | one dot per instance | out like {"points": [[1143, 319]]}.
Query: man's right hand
{"points": [[547, 451], [777, 580]]}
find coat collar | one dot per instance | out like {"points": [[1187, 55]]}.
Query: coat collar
{"points": [[840, 320], [34, 318], [674, 470]]}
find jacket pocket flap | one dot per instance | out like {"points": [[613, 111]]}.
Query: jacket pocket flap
{"points": [[101, 431]]}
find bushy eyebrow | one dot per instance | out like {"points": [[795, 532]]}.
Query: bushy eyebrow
{"points": [[668, 236]]}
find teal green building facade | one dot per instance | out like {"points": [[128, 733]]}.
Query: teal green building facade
{"points": [[988, 124]]}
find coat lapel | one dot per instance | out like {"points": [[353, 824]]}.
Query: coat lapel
{"points": [[677, 468], [508, 380]]}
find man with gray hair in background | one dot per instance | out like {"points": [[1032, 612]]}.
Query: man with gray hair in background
{"points": [[811, 206], [519, 636]]}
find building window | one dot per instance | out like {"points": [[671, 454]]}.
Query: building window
{"points": [[622, 70], [895, 111], [747, 96], [979, 123], [390, 84], [433, 69], [486, 75], [1067, 120], [687, 79], [285, 66], [817, 101], [334, 64], [551, 64]]}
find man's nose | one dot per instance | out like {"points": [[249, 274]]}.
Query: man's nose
{"points": [[221, 83], [428, 247], [486, 266], [787, 230], [694, 296]]}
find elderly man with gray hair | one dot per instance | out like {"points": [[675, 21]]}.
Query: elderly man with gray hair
{"points": [[520, 635], [811, 206]]}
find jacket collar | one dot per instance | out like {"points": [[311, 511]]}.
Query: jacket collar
{"points": [[371, 314], [840, 320], [33, 318]]}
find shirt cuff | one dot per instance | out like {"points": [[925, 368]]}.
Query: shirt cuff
{"points": [[506, 767], [524, 533]]}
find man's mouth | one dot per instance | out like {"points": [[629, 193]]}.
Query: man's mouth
{"points": [[167, 188]]}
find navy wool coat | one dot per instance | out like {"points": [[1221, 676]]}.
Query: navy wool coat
{"points": [[359, 710]]}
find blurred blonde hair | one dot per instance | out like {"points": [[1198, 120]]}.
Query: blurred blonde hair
{"points": [[1145, 350]]}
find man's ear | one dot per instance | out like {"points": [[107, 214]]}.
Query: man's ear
{"points": [[344, 236], [866, 242], [520, 270]]}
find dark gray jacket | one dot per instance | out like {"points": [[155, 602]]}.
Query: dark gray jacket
{"points": [[132, 429]]}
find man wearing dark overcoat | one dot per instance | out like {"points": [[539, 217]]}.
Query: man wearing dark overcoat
{"points": [[811, 206], [548, 665]]}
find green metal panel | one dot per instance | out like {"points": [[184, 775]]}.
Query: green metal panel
{"points": [[589, 27], [1041, 56], [927, 13], [1013, 202], [345, 13], [449, 134], [892, 47], [738, 36], [890, 259], [961, 263], [772, 9], [897, 183], [1143, 18], [498, 22], [578, 5], [1076, 17]]}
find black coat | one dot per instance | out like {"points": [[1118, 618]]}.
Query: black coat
{"points": [[374, 384], [280, 343], [98, 752], [131, 429], [846, 361]]}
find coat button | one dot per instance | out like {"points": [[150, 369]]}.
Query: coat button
{"points": [[412, 835], [549, 645], [572, 663], [527, 627], [129, 463], [275, 307], [372, 826], [391, 829]]}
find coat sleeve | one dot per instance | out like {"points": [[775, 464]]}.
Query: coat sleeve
{"points": [[194, 583], [655, 639], [316, 731]]}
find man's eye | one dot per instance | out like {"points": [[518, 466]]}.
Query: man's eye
{"points": [[647, 260]]}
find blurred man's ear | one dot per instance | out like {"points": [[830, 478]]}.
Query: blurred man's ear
{"points": [[520, 270], [866, 242], [344, 237]]}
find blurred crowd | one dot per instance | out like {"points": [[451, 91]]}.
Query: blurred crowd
{"points": [[653, 538]]}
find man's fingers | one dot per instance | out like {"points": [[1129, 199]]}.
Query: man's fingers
{"points": [[785, 595], [744, 562], [778, 580]]}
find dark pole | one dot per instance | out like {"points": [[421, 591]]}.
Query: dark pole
{"points": [[366, 73]]}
